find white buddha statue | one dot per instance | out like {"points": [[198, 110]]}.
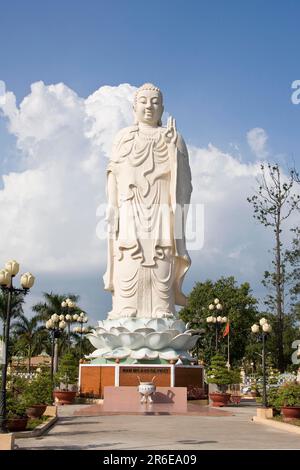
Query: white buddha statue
{"points": [[148, 190]]}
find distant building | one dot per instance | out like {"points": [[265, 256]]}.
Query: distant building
{"points": [[19, 362]]}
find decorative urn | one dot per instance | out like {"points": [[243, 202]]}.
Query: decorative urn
{"points": [[146, 389]]}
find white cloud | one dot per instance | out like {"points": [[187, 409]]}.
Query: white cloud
{"points": [[223, 183], [257, 140], [48, 211]]}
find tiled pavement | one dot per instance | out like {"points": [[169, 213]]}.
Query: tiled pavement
{"points": [[85, 427]]}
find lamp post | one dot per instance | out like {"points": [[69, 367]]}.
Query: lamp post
{"points": [[68, 304], [262, 330], [56, 324], [82, 318], [216, 320], [6, 283]]}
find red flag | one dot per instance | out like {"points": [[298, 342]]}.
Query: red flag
{"points": [[226, 331]]}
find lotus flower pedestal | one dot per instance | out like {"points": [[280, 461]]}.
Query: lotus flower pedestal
{"points": [[135, 340], [128, 348]]}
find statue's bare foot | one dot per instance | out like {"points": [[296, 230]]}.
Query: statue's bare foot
{"points": [[128, 312], [163, 315]]}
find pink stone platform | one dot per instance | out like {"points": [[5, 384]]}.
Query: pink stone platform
{"points": [[165, 399], [168, 401], [193, 409]]}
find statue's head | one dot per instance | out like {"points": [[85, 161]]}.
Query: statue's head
{"points": [[148, 105]]}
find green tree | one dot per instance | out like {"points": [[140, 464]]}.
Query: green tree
{"points": [[253, 351], [16, 307], [293, 258], [273, 204], [39, 390], [218, 373], [52, 304], [68, 370], [238, 305], [85, 347], [30, 336]]}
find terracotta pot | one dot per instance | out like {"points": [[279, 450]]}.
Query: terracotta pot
{"points": [[236, 399], [253, 394], [36, 411], [219, 399], [291, 412], [63, 397], [16, 424]]}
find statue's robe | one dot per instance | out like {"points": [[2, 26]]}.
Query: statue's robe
{"points": [[149, 189]]}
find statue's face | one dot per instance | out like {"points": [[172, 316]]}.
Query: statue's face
{"points": [[149, 108]]}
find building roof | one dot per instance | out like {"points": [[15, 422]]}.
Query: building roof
{"points": [[35, 361]]}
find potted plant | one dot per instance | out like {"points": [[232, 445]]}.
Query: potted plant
{"points": [[288, 399], [38, 395], [219, 374], [272, 399], [16, 418], [66, 379]]}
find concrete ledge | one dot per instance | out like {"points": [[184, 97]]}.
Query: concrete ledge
{"points": [[88, 401], [40, 429], [264, 413], [277, 424], [7, 441], [51, 410], [201, 402]]}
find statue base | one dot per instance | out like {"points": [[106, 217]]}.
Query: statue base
{"points": [[94, 377]]}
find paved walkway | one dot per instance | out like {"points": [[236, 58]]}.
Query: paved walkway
{"points": [[235, 430]]}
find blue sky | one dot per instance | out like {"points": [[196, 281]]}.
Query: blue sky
{"points": [[225, 67]]}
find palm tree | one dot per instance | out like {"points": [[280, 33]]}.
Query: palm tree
{"points": [[30, 336], [52, 305], [16, 307], [82, 344]]}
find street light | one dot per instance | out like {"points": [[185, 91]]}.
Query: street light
{"points": [[6, 284], [56, 324], [262, 330], [68, 304], [82, 318], [216, 320]]}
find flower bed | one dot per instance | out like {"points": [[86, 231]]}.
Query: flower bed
{"points": [[281, 419], [34, 422]]}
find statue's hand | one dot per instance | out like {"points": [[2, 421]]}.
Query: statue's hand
{"points": [[170, 134]]}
